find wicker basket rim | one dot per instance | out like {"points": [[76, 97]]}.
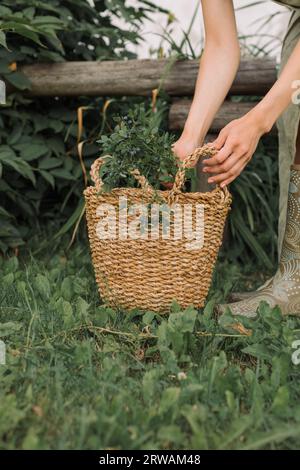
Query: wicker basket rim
{"points": [[115, 191]]}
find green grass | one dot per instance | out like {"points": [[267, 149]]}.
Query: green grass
{"points": [[80, 375]]}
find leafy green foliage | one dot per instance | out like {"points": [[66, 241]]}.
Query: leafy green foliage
{"points": [[64, 29], [30, 25], [80, 375], [138, 142], [41, 175], [182, 48], [40, 172]]}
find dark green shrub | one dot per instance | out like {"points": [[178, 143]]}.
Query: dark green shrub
{"points": [[41, 175], [138, 142]]}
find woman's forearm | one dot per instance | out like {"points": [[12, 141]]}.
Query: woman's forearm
{"points": [[280, 95], [238, 140], [218, 67]]}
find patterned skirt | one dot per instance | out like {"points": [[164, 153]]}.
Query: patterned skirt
{"points": [[288, 125]]}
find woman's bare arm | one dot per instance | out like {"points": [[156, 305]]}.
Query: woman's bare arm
{"points": [[218, 67], [238, 140]]}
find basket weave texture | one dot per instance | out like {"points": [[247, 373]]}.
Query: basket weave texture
{"points": [[151, 273]]}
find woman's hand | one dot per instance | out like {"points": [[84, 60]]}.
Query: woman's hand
{"points": [[236, 145], [184, 146]]}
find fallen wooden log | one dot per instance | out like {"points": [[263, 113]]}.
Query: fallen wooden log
{"points": [[229, 110], [138, 77]]}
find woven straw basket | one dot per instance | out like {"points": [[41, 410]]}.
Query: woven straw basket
{"points": [[151, 273]]}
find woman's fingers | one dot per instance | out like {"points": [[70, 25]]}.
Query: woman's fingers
{"points": [[231, 174], [236, 173], [225, 166], [228, 181], [220, 157], [235, 146], [183, 147], [220, 140]]}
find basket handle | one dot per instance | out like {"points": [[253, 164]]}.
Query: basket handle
{"points": [[200, 152], [205, 151], [95, 173], [143, 182], [97, 180]]}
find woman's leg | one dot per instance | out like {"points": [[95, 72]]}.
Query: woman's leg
{"points": [[284, 290], [285, 163]]}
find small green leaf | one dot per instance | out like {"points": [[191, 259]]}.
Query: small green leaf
{"points": [[169, 399], [3, 40], [62, 173], [281, 400], [33, 151], [42, 286], [47, 163], [19, 81], [48, 177], [8, 328]]}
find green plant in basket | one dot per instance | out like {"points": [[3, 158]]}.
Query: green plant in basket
{"points": [[138, 142]]}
